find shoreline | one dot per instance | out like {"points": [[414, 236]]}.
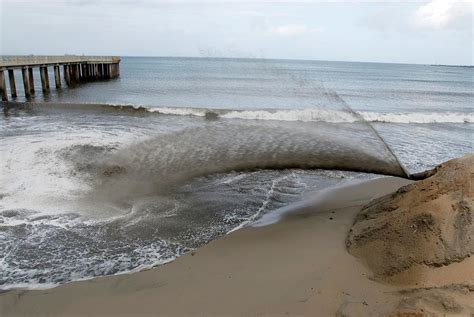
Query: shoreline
{"points": [[254, 270]]}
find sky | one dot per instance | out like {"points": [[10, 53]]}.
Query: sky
{"points": [[423, 32]]}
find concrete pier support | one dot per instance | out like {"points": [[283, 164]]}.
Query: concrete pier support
{"points": [[3, 86], [26, 82], [77, 73], [31, 81], [67, 75], [72, 74], [57, 76], [44, 79], [81, 72], [11, 77], [84, 72]]}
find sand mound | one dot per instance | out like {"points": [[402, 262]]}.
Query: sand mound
{"points": [[428, 223]]}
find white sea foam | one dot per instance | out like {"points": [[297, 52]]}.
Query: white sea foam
{"points": [[313, 201], [346, 116], [294, 115], [319, 114], [48, 285], [419, 117], [178, 111]]}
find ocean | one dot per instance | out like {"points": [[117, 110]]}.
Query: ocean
{"points": [[115, 176]]}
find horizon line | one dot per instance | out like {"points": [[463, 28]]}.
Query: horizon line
{"points": [[250, 58]]}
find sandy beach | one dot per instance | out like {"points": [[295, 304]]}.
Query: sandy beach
{"points": [[299, 266]]}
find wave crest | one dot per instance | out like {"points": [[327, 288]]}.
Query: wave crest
{"points": [[324, 115]]}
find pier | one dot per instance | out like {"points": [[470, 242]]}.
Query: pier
{"points": [[75, 69]]}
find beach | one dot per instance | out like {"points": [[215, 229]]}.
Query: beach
{"points": [[298, 266]]}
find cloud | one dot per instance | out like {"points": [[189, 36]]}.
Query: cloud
{"points": [[433, 16], [442, 14], [293, 30]]}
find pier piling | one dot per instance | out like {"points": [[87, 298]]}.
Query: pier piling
{"points": [[3, 86], [44, 79], [11, 77], [72, 75], [77, 73], [26, 82], [83, 73], [31, 80], [66, 74], [57, 76]]}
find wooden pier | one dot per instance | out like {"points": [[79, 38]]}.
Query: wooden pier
{"points": [[76, 70]]}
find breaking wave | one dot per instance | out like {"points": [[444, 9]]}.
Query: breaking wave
{"points": [[418, 117], [325, 115], [317, 114]]}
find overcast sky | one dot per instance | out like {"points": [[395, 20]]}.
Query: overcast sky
{"points": [[431, 32]]}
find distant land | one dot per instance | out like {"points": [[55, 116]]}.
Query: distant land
{"points": [[466, 66]]}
